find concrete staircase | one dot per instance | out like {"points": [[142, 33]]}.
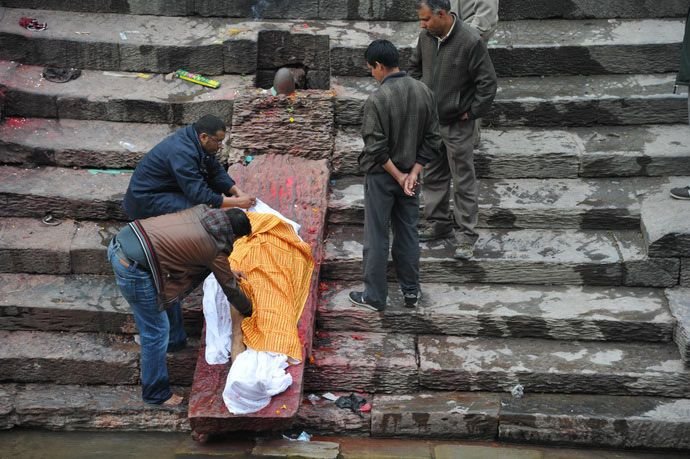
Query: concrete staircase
{"points": [[576, 290]]}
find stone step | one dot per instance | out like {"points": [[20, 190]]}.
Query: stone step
{"points": [[362, 362], [64, 193], [534, 257], [666, 234], [402, 10], [516, 311], [77, 143], [77, 303], [114, 96], [499, 364], [525, 203], [602, 420], [602, 151], [218, 46], [29, 246], [554, 101], [679, 304], [82, 358], [80, 407]]}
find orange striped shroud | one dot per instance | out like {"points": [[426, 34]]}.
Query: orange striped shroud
{"points": [[278, 267]]}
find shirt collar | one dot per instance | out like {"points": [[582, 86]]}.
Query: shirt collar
{"points": [[450, 31], [399, 74]]}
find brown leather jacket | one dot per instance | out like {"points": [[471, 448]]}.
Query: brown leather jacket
{"points": [[184, 253]]}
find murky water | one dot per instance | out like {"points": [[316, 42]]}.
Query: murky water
{"points": [[37, 444]]}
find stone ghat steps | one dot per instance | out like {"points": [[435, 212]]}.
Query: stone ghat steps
{"points": [[516, 311], [402, 10], [240, 46], [82, 358], [533, 257], [92, 304], [76, 304], [608, 421], [549, 101], [613, 421], [528, 203], [556, 101], [404, 364], [77, 143], [600, 151], [79, 407]]}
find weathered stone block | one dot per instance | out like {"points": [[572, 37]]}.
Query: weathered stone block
{"points": [[89, 246], [586, 9], [679, 304], [323, 417], [618, 422], [297, 449], [277, 48], [8, 394], [436, 415], [207, 60], [239, 56], [385, 363], [142, 111], [30, 247]]}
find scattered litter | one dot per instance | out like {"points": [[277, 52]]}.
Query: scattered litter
{"points": [[353, 402], [83, 33], [518, 391], [235, 31], [32, 24], [248, 159], [459, 410], [313, 398], [301, 437], [49, 220], [144, 76], [128, 146], [329, 396], [292, 120], [196, 78], [123, 36], [366, 408], [169, 76], [121, 74], [60, 75]]}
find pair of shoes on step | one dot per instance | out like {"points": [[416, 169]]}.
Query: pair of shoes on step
{"points": [[463, 251], [358, 299]]}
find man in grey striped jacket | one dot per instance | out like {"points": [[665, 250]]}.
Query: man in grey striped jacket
{"points": [[401, 135]]}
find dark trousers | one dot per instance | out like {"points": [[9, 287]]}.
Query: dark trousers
{"points": [[386, 207]]}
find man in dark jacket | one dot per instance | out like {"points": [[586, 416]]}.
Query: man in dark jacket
{"points": [[683, 79], [178, 173], [183, 171], [400, 132], [159, 260], [453, 61]]}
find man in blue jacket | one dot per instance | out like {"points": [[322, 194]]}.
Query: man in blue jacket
{"points": [[181, 172]]}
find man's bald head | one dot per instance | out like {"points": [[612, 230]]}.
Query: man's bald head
{"points": [[283, 82]]}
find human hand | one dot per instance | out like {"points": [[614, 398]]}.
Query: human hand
{"points": [[410, 185], [239, 276], [245, 201], [465, 116], [401, 179]]}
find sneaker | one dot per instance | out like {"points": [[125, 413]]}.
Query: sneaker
{"points": [[681, 193], [464, 251], [358, 299], [431, 233], [412, 299]]}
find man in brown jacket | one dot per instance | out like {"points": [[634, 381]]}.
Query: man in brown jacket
{"points": [[453, 61], [157, 261]]}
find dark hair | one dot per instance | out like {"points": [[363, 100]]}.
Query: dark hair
{"points": [[241, 226], [209, 124], [382, 51], [435, 5]]}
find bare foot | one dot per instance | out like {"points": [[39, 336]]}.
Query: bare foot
{"points": [[175, 400]]}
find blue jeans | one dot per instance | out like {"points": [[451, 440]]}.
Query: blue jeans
{"points": [[155, 327]]}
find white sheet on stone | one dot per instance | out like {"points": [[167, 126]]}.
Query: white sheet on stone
{"points": [[255, 376]]}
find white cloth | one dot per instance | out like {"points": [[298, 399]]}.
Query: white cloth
{"points": [[263, 208], [253, 379], [218, 322]]}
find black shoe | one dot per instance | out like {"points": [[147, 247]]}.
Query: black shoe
{"points": [[358, 299], [431, 233], [681, 193], [412, 299], [176, 347]]}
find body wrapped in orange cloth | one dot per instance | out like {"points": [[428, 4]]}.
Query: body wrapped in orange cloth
{"points": [[278, 267]]}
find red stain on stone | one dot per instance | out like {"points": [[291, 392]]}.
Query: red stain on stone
{"points": [[15, 122]]}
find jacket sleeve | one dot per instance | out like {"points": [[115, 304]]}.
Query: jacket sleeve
{"points": [[188, 176], [431, 144], [219, 180], [485, 16], [375, 151], [415, 68], [221, 269], [483, 74]]}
